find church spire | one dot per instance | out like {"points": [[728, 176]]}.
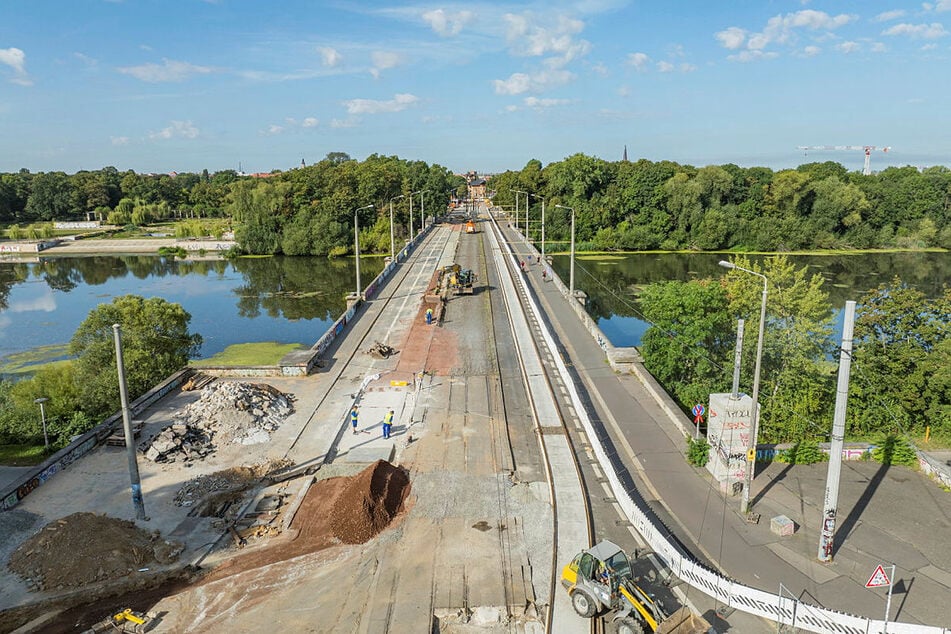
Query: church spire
{"points": [[625, 152]]}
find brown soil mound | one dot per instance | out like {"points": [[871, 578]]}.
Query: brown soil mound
{"points": [[83, 548], [368, 504], [349, 509]]}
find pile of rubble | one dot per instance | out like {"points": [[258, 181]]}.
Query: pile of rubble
{"points": [[244, 413], [179, 441], [226, 412]]}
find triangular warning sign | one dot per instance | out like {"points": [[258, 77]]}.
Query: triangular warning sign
{"points": [[878, 579]]}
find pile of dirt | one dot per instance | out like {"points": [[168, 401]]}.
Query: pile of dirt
{"points": [[84, 548], [369, 502], [346, 509]]}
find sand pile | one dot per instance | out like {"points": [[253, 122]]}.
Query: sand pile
{"points": [[368, 503], [83, 548]]}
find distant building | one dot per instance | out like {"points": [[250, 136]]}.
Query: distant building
{"points": [[476, 186]]}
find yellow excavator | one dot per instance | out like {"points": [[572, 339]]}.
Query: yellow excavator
{"points": [[601, 580]]}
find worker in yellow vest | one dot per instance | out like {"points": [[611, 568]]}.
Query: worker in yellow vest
{"points": [[387, 424]]}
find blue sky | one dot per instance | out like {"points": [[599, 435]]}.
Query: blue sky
{"points": [[163, 85]]}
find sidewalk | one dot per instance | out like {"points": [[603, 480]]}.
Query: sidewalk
{"points": [[886, 515]]}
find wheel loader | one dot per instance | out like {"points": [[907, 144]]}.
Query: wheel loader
{"points": [[600, 580]]}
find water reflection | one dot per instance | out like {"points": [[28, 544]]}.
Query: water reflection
{"points": [[613, 283], [287, 300]]}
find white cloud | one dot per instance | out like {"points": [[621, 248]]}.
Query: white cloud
{"points": [[119, 140], [274, 129], [752, 56], [168, 70], [779, 30], [600, 69], [811, 51], [373, 106], [16, 59], [731, 38], [529, 35], [329, 56], [939, 6], [848, 47], [445, 23], [383, 60], [686, 68], [176, 129], [879, 47], [309, 122], [535, 102], [342, 123], [665, 67], [887, 16], [918, 31], [638, 60], [517, 83]]}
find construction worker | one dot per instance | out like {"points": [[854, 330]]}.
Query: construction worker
{"points": [[353, 418], [387, 424], [429, 316]]}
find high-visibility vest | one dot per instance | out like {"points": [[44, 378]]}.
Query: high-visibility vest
{"points": [[353, 415], [389, 418]]}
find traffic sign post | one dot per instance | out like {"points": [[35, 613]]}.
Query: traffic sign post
{"points": [[698, 411], [880, 579]]}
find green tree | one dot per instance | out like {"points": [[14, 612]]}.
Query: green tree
{"points": [[155, 341], [51, 197], [795, 384], [688, 341], [900, 377]]}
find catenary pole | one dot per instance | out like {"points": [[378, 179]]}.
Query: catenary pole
{"points": [[829, 510], [137, 500]]}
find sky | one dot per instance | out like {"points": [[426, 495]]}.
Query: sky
{"points": [[185, 85]]}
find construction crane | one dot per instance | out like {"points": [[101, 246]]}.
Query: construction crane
{"points": [[868, 149]]}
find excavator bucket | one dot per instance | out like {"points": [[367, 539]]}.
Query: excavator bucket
{"points": [[683, 621]]}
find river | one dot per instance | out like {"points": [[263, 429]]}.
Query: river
{"points": [[294, 300]]}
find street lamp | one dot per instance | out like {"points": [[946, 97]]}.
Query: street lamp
{"points": [[517, 192], [356, 242], [411, 236], [40, 401], [392, 238], [571, 268], [543, 223], [751, 449], [422, 208]]}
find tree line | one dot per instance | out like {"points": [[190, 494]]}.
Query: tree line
{"points": [[304, 211], [645, 205], [901, 359]]}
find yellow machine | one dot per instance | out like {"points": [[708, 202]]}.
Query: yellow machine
{"points": [[127, 621], [601, 579]]}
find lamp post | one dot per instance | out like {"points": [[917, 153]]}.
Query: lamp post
{"points": [[543, 222], [422, 208], [392, 237], [571, 267], [411, 236], [751, 449], [517, 192], [40, 401], [356, 242]]}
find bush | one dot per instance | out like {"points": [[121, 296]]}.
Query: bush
{"points": [[894, 450], [698, 451], [803, 452]]}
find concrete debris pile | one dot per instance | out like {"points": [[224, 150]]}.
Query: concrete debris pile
{"points": [[179, 441], [84, 548], [235, 412]]}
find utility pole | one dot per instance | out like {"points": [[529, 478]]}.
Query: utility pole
{"points": [[827, 531], [137, 501]]}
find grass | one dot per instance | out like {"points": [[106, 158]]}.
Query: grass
{"points": [[29, 361], [260, 353], [21, 455]]}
